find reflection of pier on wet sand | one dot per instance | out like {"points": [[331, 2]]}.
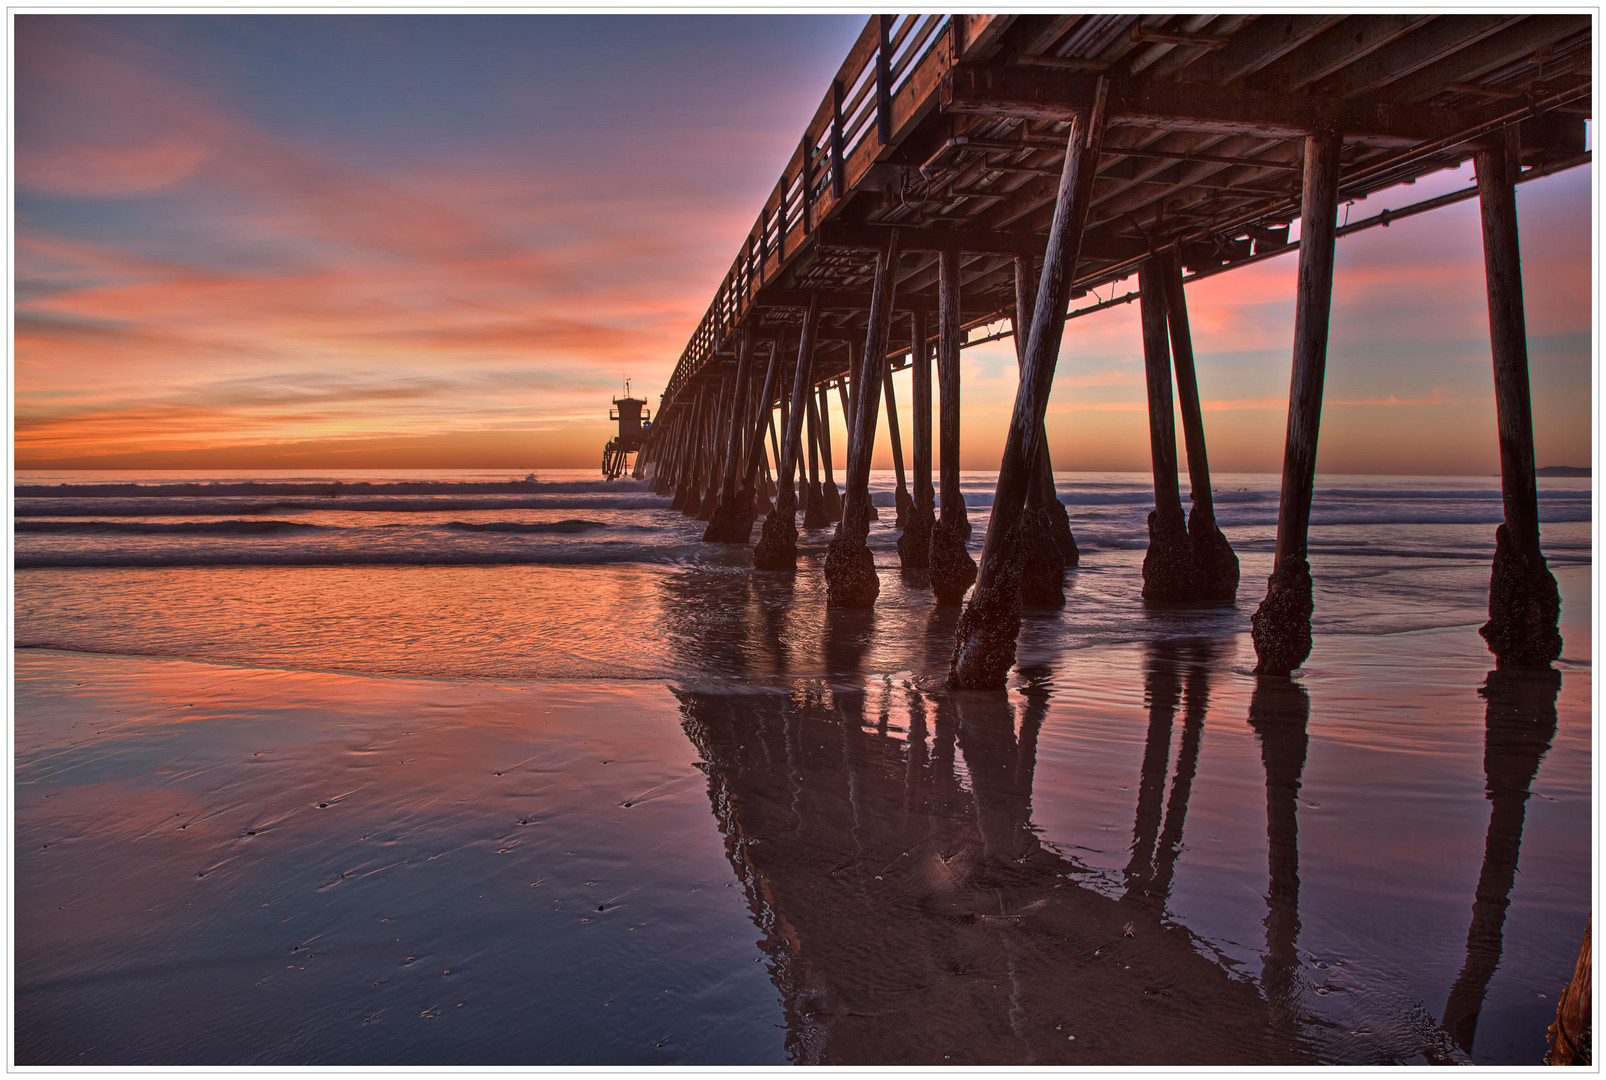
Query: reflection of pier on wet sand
{"points": [[913, 918], [885, 839]]}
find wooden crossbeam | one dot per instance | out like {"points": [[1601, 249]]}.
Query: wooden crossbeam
{"points": [[989, 90], [855, 236], [846, 300]]}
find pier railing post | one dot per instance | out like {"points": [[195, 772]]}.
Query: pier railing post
{"points": [[952, 568], [1281, 626], [914, 545], [777, 544], [850, 576], [1216, 567], [1168, 569], [1524, 603], [984, 646]]}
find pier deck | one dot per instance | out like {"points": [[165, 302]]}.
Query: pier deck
{"points": [[953, 128]]}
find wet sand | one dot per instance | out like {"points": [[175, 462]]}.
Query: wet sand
{"points": [[1141, 854]]}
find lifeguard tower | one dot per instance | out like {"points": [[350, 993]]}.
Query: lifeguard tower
{"points": [[631, 413]]}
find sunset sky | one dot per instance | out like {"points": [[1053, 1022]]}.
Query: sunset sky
{"points": [[442, 241]]}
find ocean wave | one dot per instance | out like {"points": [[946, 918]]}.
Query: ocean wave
{"points": [[567, 525], [165, 528], [1435, 494], [555, 556], [187, 507], [333, 489]]}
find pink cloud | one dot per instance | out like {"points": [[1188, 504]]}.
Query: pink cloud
{"points": [[101, 172]]}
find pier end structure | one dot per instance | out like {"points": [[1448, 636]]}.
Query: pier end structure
{"points": [[951, 129]]}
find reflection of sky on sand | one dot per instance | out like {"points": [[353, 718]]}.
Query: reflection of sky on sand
{"points": [[1350, 869], [226, 865]]}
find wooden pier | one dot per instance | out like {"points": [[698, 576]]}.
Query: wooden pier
{"points": [[955, 159]]}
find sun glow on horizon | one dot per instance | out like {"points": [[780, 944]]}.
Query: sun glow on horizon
{"points": [[437, 242]]}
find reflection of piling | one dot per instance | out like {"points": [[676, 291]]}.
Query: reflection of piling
{"points": [[1197, 699], [1163, 689], [908, 915], [1520, 721], [992, 758], [1278, 712], [1281, 626], [1157, 842]]}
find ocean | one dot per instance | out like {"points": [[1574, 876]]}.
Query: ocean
{"points": [[631, 802]]}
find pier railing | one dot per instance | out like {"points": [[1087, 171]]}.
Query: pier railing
{"points": [[886, 84]]}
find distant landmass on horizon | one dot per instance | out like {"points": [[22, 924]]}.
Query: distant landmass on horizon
{"points": [[1563, 470]]}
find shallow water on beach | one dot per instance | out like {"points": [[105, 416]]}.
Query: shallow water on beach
{"points": [[514, 800]]}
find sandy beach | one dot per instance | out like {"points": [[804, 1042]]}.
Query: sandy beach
{"points": [[224, 864]]}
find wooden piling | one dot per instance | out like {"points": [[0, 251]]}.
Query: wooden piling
{"points": [[952, 568], [1168, 569], [711, 465], [914, 544], [901, 497], [1039, 551], [846, 391], [832, 498], [684, 469], [815, 515], [1059, 521], [719, 520], [733, 524], [777, 544], [850, 576], [661, 447], [1524, 603], [1571, 1035], [769, 417], [1281, 626], [984, 646], [1215, 564]]}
